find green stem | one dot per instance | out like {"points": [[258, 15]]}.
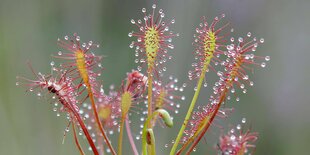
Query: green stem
{"points": [[152, 138], [144, 131], [120, 138], [190, 110], [168, 121], [149, 95]]}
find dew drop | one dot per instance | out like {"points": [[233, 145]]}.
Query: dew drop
{"points": [[243, 120], [130, 34], [171, 46], [263, 64], [249, 34], [232, 137], [77, 38], [238, 127], [261, 40], [251, 83], [267, 58], [183, 98], [59, 53]]}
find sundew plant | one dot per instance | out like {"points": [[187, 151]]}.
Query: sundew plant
{"points": [[94, 115]]}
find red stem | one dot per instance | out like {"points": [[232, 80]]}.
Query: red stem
{"points": [[223, 96], [132, 142], [86, 133], [76, 139], [91, 97]]}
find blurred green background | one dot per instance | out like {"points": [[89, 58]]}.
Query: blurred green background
{"points": [[277, 106]]}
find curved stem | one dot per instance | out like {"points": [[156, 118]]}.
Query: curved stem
{"points": [[132, 142], [152, 138], [91, 97], [168, 121], [189, 112], [144, 131], [120, 138]]}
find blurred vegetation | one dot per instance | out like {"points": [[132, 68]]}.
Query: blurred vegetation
{"points": [[277, 106]]}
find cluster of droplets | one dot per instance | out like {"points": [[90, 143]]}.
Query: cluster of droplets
{"points": [[200, 117], [237, 140], [154, 23], [109, 112], [166, 96], [62, 91], [208, 42], [240, 57], [79, 51]]}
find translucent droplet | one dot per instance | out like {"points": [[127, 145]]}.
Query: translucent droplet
{"points": [[52, 63], [232, 137], [132, 21], [263, 64], [267, 58], [249, 34], [238, 127], [130, 34], [243, 120], [59, 53], [261, 40], [183, 98], [77, 38]]}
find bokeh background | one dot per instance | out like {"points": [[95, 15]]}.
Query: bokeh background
{"points": [[277, 106]]}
